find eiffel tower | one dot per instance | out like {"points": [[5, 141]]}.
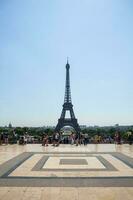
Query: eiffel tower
{"points": [[67, 106]]}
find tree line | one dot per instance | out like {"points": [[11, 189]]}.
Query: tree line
{"points": [[39, 131]]}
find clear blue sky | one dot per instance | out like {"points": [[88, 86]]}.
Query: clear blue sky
{"points": [[36, 36]]}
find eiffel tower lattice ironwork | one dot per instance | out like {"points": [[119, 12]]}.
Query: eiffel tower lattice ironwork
{"points": [[67, 106]]}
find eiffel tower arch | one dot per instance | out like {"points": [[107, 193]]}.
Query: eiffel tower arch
{"points": [[67, 106]]}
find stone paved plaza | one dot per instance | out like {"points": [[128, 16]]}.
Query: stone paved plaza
{"points": [[97, 171]]}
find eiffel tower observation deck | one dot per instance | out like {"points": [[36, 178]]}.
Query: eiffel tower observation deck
{"points": [[67, 106]]}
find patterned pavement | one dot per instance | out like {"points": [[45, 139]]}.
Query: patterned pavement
{"points": [[66, 168]]}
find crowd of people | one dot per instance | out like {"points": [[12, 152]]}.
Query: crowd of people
{"points": [[58, 138], [5, 138], [83, 139]]}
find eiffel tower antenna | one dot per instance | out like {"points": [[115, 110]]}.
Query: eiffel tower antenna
{"points": [[67, 60], [67, 106]]}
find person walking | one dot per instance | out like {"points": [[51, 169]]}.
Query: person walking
{"points": [[45, 140]]}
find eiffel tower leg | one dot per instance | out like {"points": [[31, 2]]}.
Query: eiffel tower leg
{"points": [[63, 113], [72, 113]]}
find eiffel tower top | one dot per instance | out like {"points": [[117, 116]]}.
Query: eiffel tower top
{"points": [[67, 65], [67, 98]]}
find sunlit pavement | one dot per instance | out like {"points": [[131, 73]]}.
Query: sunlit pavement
{"points": [[26, 172]]}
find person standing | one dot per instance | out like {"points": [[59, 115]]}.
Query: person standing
{"points": [[57, 139], [72, 138], [130, 137], [119, 138], [85, 139], [77, 139], [45, 140], [25, 139], [1, 138], [6, 138]]}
